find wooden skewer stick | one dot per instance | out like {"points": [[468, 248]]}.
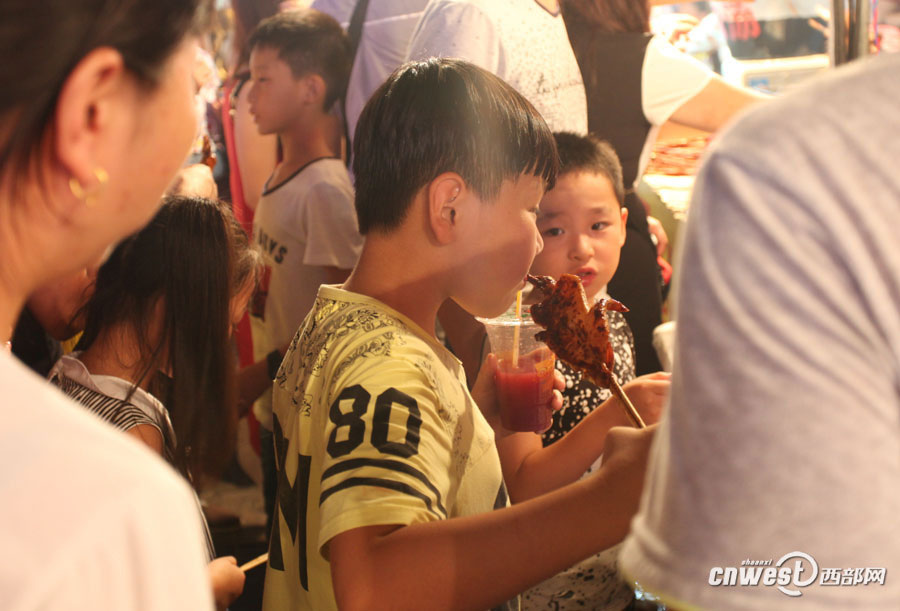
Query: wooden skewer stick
{"points": [[630, 410], [255, 562]]}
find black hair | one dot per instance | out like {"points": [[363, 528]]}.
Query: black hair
{"points": [[182, 260], [309, 41], [42, 41], [590, 154], [610, 16], [444, 115]]}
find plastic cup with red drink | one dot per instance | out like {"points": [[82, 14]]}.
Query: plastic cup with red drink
{"points": [[524, 376]]}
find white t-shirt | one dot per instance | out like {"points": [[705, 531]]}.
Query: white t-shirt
{"points": [[519, 41], [669, 78], [303, 225], [783, 433], [90, 519], [387, 28]]}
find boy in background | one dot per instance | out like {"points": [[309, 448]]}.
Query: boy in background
{"points": [[304, 224], [388, 469], [582, 223]]}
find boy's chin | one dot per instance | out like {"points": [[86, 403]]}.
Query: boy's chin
{"points": [[482, 310], [595, 290], [498, 309]]}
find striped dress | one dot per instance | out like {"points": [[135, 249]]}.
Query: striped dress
{"points": [[108, 398]]}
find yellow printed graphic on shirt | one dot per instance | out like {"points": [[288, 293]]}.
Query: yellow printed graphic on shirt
{"points": [[373, 425]]}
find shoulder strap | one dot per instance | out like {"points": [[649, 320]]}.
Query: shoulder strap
{"points": [[354, 29], [354, 33]]}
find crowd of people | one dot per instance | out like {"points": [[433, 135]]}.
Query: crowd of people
{"points": [[310, 244]]}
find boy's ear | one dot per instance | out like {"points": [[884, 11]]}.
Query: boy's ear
{"points": [[314, 90], [444, 196], [624, 211]]}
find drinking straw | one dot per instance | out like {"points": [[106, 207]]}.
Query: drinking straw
{"points": [[515, 354]]}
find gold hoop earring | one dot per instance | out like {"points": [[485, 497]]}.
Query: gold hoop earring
{"points": [[78, 191]]}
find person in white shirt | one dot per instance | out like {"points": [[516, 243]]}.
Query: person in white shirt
{"points": [[524, 42], [781, 442], [305, 223], [387, 28], [92, 129]]}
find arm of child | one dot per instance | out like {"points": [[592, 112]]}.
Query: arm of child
{"points": [[149, 435], [227, 581], [252, 381], [479, 561], [529, 469]]}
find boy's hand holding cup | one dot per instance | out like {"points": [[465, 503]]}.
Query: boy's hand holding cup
{"points": [[518, 386]]}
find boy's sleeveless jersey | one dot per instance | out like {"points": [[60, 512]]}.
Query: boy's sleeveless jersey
{"points": [[373, 425]]}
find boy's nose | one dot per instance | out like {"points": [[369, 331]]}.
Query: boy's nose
{"points": [[580, 248], [540, 242]]}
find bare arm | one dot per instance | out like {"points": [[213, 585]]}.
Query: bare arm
{"points": [[529, 469], [715, 105], [252, 381], [478, 561], [149, 435]]}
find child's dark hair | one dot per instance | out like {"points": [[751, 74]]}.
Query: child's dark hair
{"points": [[309, 41], [443, 115], [590, 154], [182, 265]]}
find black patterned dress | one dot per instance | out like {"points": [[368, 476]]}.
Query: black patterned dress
{"points": [[593, 583]]}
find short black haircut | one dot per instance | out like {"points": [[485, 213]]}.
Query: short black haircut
{"points": [[444, 115], [309, 41], [589, 153]]}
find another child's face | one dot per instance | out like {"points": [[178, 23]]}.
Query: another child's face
{"points": [[275, 94], [583, 227], [502, 240]]}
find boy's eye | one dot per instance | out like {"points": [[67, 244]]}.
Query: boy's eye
{"points": [[599, 225], [552, 232]]}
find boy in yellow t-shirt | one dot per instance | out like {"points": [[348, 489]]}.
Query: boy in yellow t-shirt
{"points": [[388, 471]]}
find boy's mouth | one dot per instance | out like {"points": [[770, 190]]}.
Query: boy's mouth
{"points": [[587, 275]]}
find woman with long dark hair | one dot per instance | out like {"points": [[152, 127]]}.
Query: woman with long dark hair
{"points": [[154, 357], [96, 116]]}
